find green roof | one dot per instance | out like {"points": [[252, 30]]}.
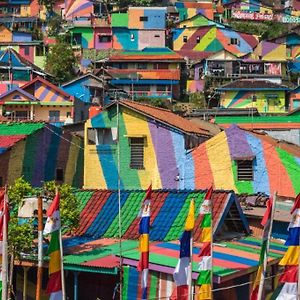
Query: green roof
{"points": [[77, 259], [19, 128], [257, 119]]}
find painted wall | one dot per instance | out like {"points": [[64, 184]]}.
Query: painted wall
{"points": [[40, 154], [5, 34], [100, 32], [267, 101], [164, 154], [190, 9], [21, 37], [42, 112], [168, 165], [87, 36], [213, 39], [294, 99], [274, 169]]}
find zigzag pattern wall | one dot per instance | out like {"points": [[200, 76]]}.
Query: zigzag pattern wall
{"points": [[213, 39], [190, 9], [274, 169], [40, 153]]}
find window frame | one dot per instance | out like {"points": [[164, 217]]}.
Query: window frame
{"points": [[242, 167], [143, 18], [136, 162]]}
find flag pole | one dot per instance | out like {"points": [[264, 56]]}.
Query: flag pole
{"points": [[63, 290], [265, 264], [191, 269], [4, 247], [40, 249], [211, 248]]}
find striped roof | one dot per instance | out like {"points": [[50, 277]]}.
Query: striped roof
{"points": [[230, 259], [17, 128], [99, 216]]}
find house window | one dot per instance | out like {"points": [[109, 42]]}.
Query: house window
{"points": [[102, 136], [104, 38], [26, 50], [157, 35], [142, 66], [1, 181], [54, 115], [59, 176], [185, 38], [245, 170], [234, 41], [137, 152], [143, 19], [77, 39], [132, 37], [39, 51], [198, 39]]}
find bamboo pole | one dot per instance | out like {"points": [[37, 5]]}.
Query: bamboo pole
{"points": [[4, 248], [40, 249], [265, 264]]}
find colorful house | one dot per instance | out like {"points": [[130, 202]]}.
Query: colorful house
{"points": [[201, 34], [153, 145], [294, 99], [74, 9], [283, 127], [52, 104], [139, 28], [188, 10], [152, 72], [16, 70], [250, 163], [39, 152], [266, 96]]}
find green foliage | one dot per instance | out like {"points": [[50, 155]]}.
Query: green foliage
{"points": [[69, 204], [54, 25], [266, 30], [126, 3], [60, 62], [48, 4], [198, 100], [20, 237], [17, 192], [157, 102]]}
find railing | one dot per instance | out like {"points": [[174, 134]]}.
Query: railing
{"points": [[149, 94]]}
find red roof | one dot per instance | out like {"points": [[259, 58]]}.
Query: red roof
{"points": [[10, 140], [110, 262], [166, 116], [195, 55]]}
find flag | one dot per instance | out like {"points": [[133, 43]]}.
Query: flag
{"points": [[181, 273], [289, 287], [266, 222], [144, 229], [205, 265], [54, 286]]}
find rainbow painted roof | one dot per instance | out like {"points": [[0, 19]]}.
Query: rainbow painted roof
{"points": [[99, 215]]}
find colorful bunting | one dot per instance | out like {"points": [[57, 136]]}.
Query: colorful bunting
{"points": [[266, 222], [54, 286], [144, 229], [181, 273], [205, 265], [291, 258]]}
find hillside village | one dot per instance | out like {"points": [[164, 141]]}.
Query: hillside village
{"points": [[152, 115]]}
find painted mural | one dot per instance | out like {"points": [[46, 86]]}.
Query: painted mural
{"points": [[188, 10], [213, 39], [170, 165], [139, 28], [269, 51], [37, 151], [266, 101], [274, 169]]}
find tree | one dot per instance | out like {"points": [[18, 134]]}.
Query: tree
{"points": [[48, 4], [61, 62], [69, 204], [126, 3], [198, 100]]}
